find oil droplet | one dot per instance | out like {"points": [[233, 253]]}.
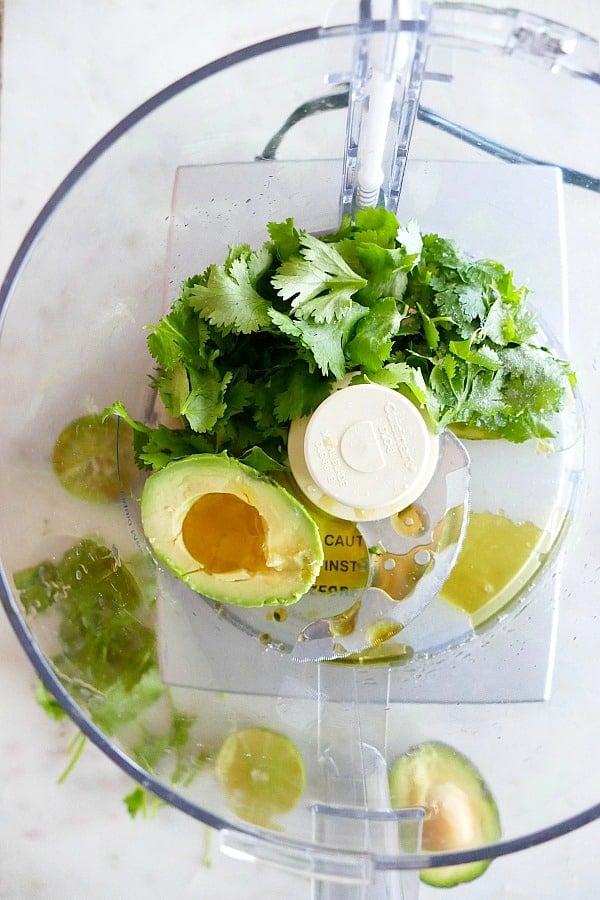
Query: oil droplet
{"points": [[345, 622], [411, 522], [388, 654], [225, 534], [382, 631], [399, 573]]}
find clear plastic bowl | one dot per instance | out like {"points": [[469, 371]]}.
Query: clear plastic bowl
{"points": [[513, 690]]}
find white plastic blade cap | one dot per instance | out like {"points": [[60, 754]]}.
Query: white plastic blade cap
{"points": [[366, 453]]}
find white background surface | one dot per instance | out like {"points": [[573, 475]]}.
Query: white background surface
{"points": [[71, 69]]}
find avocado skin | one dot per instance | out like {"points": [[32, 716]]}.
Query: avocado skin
{"points": [[413, 779], [293, 540]]}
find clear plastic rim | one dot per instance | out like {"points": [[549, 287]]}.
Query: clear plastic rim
{"points": [[17, 621]]}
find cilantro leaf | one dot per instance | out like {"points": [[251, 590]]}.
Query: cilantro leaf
{"points": [[318, 283], [381, 224], [159, 446], [120, 705], [297, 392], [261, 461], [535, 379], [409, 236], [486, 357], [285, 237], [504, 324], [172, 339], [378, 261], [323, 341], [230, 299], [174, 388], [239, 394], [384, 269], [464, 305], [137, 802], [373, 337], [441, 256], [205, 402], [430, 331], [410, 381], [318, 344], [49, 703], [155, 447]]}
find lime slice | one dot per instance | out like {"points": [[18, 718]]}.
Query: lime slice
{"points": [[262, 774], [94, 460]]}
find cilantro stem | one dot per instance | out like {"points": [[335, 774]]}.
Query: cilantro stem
{"points": [[207, 850], [76, 748]]}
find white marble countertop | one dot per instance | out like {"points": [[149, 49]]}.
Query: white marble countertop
{"points": [[70, 71]]}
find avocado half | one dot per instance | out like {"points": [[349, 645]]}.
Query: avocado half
{"points": [[230, 533], [460, 811]]}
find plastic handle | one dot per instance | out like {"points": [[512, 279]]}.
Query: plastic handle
{"points": [[356, 811], [515, 32]]}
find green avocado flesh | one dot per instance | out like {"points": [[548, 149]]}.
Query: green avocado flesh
{"points": [[229, 533], [460, 811]]}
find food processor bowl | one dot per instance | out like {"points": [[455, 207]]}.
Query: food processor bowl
{"points": [[509, 685]]}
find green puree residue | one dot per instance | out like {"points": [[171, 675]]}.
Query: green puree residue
{"points": [[497, 558], [107, 657], [100, 604]]}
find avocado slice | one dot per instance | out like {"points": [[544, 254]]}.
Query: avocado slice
{"points": [[460, 811], [230, 533]]}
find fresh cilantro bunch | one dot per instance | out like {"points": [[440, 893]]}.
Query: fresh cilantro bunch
{"points": [[259, 341], [471, 347]]}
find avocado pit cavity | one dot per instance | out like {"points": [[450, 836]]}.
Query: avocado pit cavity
{"points": [[460, 810], [224, 533], [450, 821]]}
